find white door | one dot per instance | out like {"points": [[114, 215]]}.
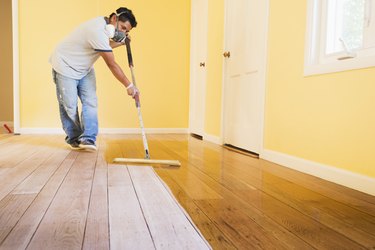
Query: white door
{"points": [[198, 55], [245, 40]]}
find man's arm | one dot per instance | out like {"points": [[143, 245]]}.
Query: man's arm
{"points": [[114, 44], [116, 70]]}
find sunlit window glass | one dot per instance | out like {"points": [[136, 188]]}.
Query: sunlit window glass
{"points": [[345, 25]]}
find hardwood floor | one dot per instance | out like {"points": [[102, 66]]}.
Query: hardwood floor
{"points": [[237, 202]]}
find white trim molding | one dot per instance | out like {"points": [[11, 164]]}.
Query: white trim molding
{"points": [[16, 68], [212, 138], [346, 178], [108, 131], [316, 59], [263, 78], [147, 130]]}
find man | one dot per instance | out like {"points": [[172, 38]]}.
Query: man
{"points": [[73, 73]]}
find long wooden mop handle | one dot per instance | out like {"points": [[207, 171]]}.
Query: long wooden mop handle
{"points": [[137, 102], [129, 51], [131, 66]]}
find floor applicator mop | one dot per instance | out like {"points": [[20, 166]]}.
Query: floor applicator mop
{"points": [[147, 159]]}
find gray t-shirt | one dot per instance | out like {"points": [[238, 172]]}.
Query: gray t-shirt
{"points": [[76, 54]]}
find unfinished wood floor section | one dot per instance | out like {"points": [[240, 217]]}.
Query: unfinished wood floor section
{"points": [[54, 198]]}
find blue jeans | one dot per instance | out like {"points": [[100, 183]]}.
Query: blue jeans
{"points": [[68, 90]]}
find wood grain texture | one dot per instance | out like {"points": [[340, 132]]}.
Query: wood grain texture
{"points": [[24, 230], [128, 227], [64, 223], [12, 207], [55, 198], [97, 224], [169, 226]]}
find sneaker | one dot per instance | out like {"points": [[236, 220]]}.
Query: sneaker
{"points": [[90, 145], [74, 146]]}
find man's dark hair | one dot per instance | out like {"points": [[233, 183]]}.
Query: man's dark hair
{"points": [[126, 15]]}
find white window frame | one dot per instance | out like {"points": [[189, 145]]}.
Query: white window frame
{"points": [[315, 62]]}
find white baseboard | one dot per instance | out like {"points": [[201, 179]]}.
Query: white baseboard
{"points": [[147, 130], [346, 178], [212, 138], [41, 131], [108, 131]]}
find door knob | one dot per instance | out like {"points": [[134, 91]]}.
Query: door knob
{"points": [[226, 54], [202, 64]]}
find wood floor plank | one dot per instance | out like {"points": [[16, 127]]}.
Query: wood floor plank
{"points": [[195, 188], [64, 222], [132, 148], [12, 138], [51, 197], [212, 233], [128, 228], [238, 226], [3, 170], [11, 178], [15, 152], [335, 215], [289, 217], [192, 185], [283, 235], [23, 231], [277, 230], [249, 236], [97, 224], [113, 149], [257, 235], [353, 198], [167, 222], [11, 209], [37, 179], [311, 231], [22, 146], [347, 196], [7, 138], [32, 185]]}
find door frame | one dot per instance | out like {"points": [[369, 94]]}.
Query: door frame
{"points": [[16, 68], [263, 78], [194, 73]]}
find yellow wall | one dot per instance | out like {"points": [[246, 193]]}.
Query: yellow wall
{"points": [[214, 67], [329, 118], [6, 62], [160, 51]]}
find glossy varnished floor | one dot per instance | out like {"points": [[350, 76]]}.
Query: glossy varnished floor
{"points": [[237, 202]]}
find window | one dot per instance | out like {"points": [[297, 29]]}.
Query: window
{"points": [[340, 35]]}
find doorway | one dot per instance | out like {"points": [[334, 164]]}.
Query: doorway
{"points": [[198, 56], [245, 73], [6, 68]]}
